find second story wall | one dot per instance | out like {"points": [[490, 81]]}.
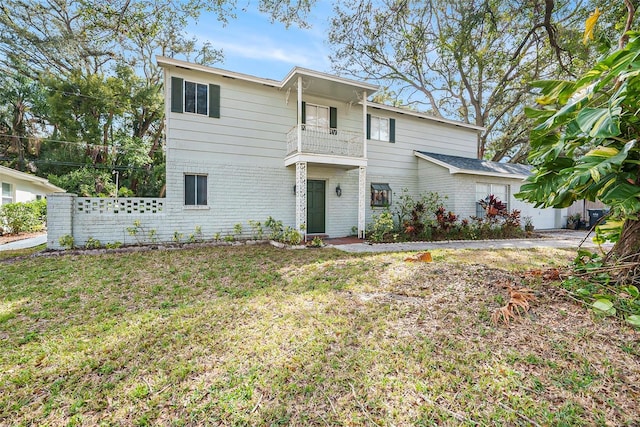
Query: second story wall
{"points": [[253, 121], [251, 127], [416, 134]]}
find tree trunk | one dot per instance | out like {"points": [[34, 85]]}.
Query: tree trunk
{"points": [[626, 253]]}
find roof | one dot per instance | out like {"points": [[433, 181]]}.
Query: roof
{"points": [[424, 116], [314, 82], [465, 165], [31, 178]]}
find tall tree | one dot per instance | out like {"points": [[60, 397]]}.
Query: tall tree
{"points": [[585, 145], [22, 107], [97, 61], [470, 60]]}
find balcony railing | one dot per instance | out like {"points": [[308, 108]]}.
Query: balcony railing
{"points": [[335, 142]]}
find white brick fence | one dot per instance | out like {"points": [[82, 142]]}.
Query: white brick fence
{"points": [[104, 219]]}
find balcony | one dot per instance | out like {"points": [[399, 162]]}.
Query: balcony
{"points": [[329, 146]]}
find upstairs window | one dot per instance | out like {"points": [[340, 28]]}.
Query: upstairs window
{"points": [[380, 195], [319, 117], [195, 190], [381, 128], [196, 98]]}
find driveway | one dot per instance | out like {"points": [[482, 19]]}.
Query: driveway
{"points": [[544, 239]]}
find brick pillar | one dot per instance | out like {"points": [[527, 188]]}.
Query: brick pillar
{"points": [[59, 218]]}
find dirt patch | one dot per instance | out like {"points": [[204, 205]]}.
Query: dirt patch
{"points": [[8, 238]]}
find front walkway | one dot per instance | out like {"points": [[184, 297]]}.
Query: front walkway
{"points": [[24, 243], [544, 239]]}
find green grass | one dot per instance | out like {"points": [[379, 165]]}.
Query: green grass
{"points": [[262, 336], [22, 252]]}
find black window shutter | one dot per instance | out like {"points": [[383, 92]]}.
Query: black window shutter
{"points": [[392, 130], [333, 117], [368, 126], [176, 94], [214, 101], [304, 113]]}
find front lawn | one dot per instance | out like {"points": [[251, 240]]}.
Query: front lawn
{"points": [[256, 335]]}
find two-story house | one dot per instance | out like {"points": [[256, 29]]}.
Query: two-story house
{"points": [[310, 150], [313, 151]]}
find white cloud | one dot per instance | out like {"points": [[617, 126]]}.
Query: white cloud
{"points": [[250, 42], [264, 49]]}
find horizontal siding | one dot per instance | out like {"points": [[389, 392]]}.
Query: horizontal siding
{"points": [[416, 134]]}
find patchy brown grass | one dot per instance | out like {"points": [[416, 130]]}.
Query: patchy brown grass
{"points": [[262, 336]]}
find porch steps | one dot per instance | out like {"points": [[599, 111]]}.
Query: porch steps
{"points": [[311, 236]]}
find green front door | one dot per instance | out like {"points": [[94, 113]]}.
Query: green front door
{"points": [[315, 206]]}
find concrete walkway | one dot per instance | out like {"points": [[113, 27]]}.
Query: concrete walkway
{"points": [[546, 239], [24, 243]]}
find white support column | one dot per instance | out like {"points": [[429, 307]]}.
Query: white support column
{"points": [[300, 114], [362, 175], [362, 200], [364, 124], [301, 197]]}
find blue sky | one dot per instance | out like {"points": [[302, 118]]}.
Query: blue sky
{"points": [[253, 45]]}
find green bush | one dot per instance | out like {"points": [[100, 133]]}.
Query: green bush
{"points": [[382, 227], [24, 217], [93, 243]]}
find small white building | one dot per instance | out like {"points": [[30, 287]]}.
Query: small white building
{"points": [[309, 150], [23, 187]]}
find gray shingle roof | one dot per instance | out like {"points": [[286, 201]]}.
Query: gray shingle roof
{"points": [[475, 165]]}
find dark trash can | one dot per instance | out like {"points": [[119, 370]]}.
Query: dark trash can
{"points": [[595, 215]]}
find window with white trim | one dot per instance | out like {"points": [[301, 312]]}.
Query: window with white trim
{"points": [[379, 128], [316, 116], [7, 193], [484, 190], [195, 98], [195, 190]]}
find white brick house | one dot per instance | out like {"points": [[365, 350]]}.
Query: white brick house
{"points": [[309, 150]]}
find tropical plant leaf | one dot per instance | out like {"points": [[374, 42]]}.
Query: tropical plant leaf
{"points": [[625, 196], [600, 122], [608, 232], [554, 91]]}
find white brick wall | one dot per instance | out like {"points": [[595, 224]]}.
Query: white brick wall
{"points": [[235, 194], [59, 218]]}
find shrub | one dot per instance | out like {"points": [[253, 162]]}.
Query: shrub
{"points": [[67, 241], [275, 227], [24, 217], [256, 228], [382, 227], [142, 234], [93, 243], [291, 236]]}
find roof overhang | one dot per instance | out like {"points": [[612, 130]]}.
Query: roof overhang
{"points": [[32, 179], [313, 82], [327, 85], [454, 170], [408, 112], [165, 62]]}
